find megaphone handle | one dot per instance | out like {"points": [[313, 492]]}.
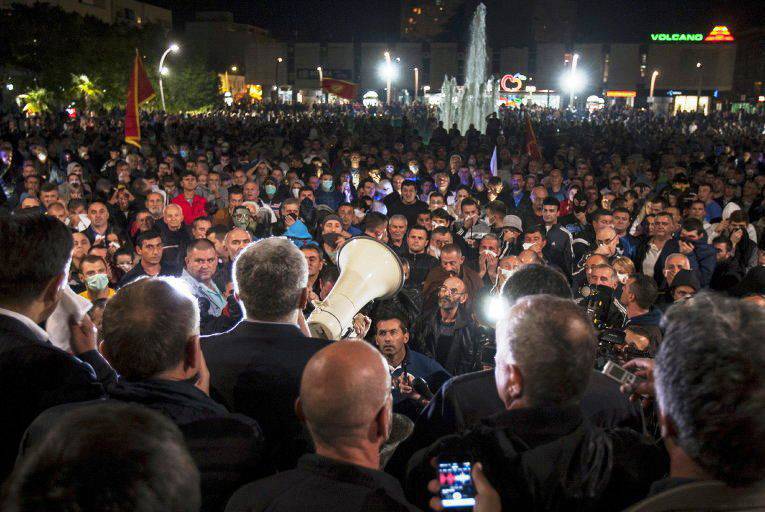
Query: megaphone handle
{"points": [[347, 333]]}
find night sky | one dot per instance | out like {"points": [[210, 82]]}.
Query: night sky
{"points": [[378, 20]]}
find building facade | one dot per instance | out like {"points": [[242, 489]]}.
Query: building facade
{"points": [[130, 12]]}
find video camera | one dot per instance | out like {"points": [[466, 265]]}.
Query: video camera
{"points": [[612, 339]]}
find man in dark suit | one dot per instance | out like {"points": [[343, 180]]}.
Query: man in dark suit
{"points": [[255, 368], [35, 375]]}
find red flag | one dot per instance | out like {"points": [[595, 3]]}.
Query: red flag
{"points": [[139, 91], [532, 149], [341, 88]]}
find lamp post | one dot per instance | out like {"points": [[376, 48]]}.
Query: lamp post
{"points": [[416, 83], [164, 71], [654, 75], [699, 67], [279, 60], [321, 82], [574, 60], [388, 76]]}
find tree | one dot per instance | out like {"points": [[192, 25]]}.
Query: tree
{"points": [[189, 86], [86, 90], [35, 102]]}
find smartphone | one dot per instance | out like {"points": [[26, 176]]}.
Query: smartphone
{"points": [[619, 374], [456, 481]]}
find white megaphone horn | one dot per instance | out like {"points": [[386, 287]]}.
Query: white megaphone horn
{"points": [[369, 270]]}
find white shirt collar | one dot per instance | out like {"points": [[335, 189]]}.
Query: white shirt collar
{"points": [[39, 333]]}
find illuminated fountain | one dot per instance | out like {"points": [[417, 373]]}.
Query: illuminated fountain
{"points": [[472, 102]]}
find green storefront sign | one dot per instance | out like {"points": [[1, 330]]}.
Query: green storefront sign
{"points": [[677, 38]]}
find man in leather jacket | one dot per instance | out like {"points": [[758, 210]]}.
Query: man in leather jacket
{"points": [[448, 333]]}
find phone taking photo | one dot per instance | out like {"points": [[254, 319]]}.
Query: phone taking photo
{"points": [[456, 481]]}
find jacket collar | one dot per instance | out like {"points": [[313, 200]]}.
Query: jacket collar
{"points": [[22, 325], [268, 329], [537, 425]]}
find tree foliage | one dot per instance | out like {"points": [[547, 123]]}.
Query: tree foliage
{"points": [[49, 46]]}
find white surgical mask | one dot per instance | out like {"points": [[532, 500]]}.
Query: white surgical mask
{"points": [[506, 272], [527, 246], [622, 277], [97, 282]]}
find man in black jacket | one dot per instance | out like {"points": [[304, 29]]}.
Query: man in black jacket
{"points": [[346, 404], [448, 334], [463, 401], [35, 375], [540, 452], [255, 368], [151, 337], [558, 249]]}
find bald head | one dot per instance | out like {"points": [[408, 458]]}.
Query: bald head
{"points": [[528, 257], [344, 390]]}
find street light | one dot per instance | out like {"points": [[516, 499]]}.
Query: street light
{"points": [[388, 72], [321, 82], [234, 69], [279, 60], [164, 71], [416, 83], [575, 80], [699, 67], [654, 75]]}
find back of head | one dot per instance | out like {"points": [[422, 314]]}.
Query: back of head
{"points": [[343, 388], [34, 248], [147, 325], [115, 457], [553, 343], [269, 277], [710, 383], [535, 280]]}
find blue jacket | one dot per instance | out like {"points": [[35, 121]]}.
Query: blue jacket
{"points": [[423, 367], [704, 260]]}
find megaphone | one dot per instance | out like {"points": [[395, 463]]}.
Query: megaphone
{"points": [[369, 270]]}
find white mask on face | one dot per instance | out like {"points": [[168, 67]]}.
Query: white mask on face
{"points": [[527, 246], [506, 272], [622, 277]]}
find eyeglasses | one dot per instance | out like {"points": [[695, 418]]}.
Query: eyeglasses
{"points": [[450, 291], [606, 242]]}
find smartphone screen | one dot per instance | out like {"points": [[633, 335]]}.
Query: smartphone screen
{"points": [[456, 484]]}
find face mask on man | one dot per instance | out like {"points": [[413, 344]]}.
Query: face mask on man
{"points": [[326, 185], [295, 192], [270, 189], [97, 282]]}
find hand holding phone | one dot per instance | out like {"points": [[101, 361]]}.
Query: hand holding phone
{"points": [[456, 484]]}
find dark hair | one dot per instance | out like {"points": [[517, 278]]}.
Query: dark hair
{"points": [[534, 279], [108, 456], [34, 248], [391, 313], [143, 236], [200, 244], [693, 225], [496, 207], [597, 214], [147, 325], [739, 216], [200, 219], [723, 240], [235, 189], [49, 187], [329, 273], [551, 201], [536, 228], [451, 248], [409, 183], [468, 201], [419, 228], [710, 385], [645, 290], [374, 220]]}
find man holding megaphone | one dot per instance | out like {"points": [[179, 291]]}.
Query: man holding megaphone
{"points": [[256, 367]]}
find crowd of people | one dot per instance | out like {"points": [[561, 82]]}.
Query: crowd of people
{"points": [[194, 383]]}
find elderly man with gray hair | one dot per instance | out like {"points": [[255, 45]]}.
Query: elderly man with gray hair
{"points": [[256, 367], [539, 450], [709, 379]]}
